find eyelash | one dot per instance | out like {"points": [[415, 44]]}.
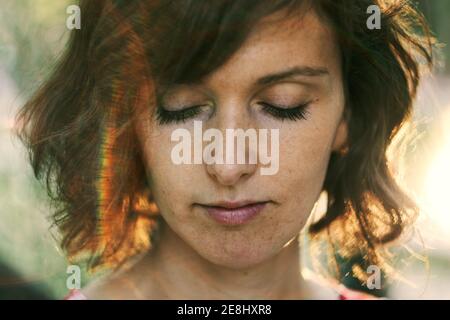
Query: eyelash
{"points": [[299, 112], [165, 116]]}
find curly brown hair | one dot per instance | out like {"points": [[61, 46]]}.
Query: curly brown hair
{"points": [[82, 144]]}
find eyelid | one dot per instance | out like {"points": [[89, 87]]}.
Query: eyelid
{"points": [[183, 107], [286, 107], [286, 87], [298, 112], [165, 116], [192, 92]]}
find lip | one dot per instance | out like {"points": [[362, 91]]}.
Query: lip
{"points": [[234, 213]]}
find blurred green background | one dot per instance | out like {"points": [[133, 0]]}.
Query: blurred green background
{"points": [[33, 33]]}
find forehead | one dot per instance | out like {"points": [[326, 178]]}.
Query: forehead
{"points": [[280, 42]]}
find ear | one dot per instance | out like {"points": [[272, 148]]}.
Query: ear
{"points": [[341, 136]]}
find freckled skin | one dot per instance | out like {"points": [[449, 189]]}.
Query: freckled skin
{"points": [[305, 148]]}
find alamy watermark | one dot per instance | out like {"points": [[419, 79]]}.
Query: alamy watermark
{"points": [[73, 281], [229, 149], [374, 20], [374, 280], [73, 21]]}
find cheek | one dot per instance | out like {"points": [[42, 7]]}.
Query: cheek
{"points": [[156, 147], [304, 157], [167, 180]]}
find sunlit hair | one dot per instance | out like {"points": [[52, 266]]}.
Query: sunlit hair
{"points": [[79, 129]]}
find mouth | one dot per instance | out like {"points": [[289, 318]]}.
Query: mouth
{"points": [[234, 213]]}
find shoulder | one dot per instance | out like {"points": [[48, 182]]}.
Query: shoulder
{"points": [[114, 285], [328, 289], [114, 288], [97, 291], [347, 294], [75, 295], [130, 284]]}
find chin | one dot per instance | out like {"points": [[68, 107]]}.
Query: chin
{"points": [[240, 263], [238, 256]]}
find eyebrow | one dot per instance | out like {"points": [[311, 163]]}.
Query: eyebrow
{"points": [[295, 71]]}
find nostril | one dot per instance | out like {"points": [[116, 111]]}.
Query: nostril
{"points": [[226, 174]]}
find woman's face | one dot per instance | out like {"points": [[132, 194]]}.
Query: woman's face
{"points": [[285, 64]]}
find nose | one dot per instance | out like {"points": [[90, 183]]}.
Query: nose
{"points": [[234, 117], [230, 174]]}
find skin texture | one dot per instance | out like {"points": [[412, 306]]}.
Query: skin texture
{"points": [[198, 258]]}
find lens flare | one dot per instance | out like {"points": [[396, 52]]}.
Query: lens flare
{"points": [[437, 184]]}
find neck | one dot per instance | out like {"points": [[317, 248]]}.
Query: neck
{"points": [[181, 273]]}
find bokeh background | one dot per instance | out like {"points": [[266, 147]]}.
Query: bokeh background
{"points": [[32, 35]]}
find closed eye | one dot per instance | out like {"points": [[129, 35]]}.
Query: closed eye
{"points": [[165, 116], [298, 112]]}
